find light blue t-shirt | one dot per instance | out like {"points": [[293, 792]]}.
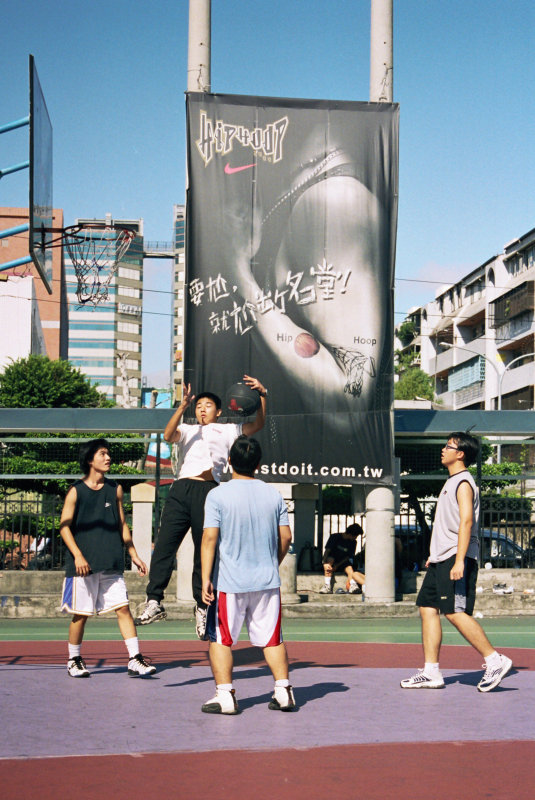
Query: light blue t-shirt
{"points": [[248, 514]]}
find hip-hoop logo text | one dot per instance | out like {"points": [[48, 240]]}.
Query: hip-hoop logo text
{"points": [[219, 137]]}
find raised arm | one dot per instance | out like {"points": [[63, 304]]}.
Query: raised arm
{"points": [[257, 424], [171, 434]]}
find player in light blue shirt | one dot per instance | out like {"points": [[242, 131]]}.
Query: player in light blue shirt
{"points": [[246, 536]]}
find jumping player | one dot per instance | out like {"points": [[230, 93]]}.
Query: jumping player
{"points": [[202, 451], [95, 532], [449, 585], [246, 536]]}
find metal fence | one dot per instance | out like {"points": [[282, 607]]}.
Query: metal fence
{"points": [[36, 472]]}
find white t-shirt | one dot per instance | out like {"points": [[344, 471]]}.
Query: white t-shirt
{"points": [[203, 447]]}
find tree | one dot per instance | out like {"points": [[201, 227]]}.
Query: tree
{"points": [[414, 383], [38, 382]]}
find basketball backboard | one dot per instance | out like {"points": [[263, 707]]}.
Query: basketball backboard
{"points": [[41, 202]]}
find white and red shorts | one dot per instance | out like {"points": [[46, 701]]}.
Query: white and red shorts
{"points": [[261, 612], [97, 593]]}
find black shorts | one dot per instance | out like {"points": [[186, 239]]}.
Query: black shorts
{"points": [[439, 591]]}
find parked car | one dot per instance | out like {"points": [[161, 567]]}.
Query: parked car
{"points": [[501, 551]]}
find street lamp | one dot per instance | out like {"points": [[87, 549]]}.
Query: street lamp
{"points": [[508, 366]]}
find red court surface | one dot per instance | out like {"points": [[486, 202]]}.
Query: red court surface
{"points": [[356, 734]]}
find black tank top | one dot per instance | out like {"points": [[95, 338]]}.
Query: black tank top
{"points": [[96, 529]]}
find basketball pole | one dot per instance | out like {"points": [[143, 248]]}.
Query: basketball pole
{"points": [[199, 79], [380, 501]]}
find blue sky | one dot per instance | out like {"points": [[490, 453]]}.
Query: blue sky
{"points": [[114, 75]]}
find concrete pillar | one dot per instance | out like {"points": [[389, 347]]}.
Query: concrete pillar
{"points": [[381, 52], [184, 570], [288, 575], [142, 496], [380, 522], [199, 46], [304, 496]]}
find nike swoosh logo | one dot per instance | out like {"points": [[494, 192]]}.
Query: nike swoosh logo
{"points": [[231, 170]]}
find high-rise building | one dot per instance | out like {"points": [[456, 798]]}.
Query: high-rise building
{"points": [[105, 339], [179, 235], [52, 307]]}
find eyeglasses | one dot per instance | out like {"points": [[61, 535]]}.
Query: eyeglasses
{"points": [[449, 447]]}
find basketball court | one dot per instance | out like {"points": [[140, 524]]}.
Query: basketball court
{"points": [[356, 732]]}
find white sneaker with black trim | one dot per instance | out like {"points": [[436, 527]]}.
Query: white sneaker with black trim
{"points": [[283, 699], [76, 667], [152, 612], [494, 674], [139, 667], [224, 702], [200, 623], [423, 681]]}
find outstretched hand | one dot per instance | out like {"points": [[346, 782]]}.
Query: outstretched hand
{"points": [[187, 396], [254, 383]]}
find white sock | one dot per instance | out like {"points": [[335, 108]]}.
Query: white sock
{"points": [[283, 682], [74, 650], [494, 658], [430, 668], [132, 645], [327, 581], [224, 687]]}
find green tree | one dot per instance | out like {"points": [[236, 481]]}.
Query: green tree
{"points": [[38, 382], [414, 383]]}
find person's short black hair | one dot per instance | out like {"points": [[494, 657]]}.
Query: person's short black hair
{"points": [[210, 396], [354, 530], [245, 455], [468, 444], [87, 453]]}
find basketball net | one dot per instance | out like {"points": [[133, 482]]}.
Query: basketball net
{"points": [[95, 252]]}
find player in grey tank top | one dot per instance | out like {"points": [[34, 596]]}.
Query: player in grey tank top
{"points": [[449, 585]]}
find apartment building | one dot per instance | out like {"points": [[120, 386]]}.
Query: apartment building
{"points": [[477, 337]]}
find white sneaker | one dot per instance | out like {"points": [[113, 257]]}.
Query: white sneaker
{"points": [[326, 589], [493, 675], [423, 681], [283, 699], [76, 667], [152, 612], [224, 702], [200, 623], [139, 667]]}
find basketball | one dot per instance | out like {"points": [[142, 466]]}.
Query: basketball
{"points": [[306, 346], [242, 400]]}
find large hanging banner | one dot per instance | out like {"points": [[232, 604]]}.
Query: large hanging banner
{"points": [[291, 227]]}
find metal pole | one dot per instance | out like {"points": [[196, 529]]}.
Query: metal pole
{"points": [[381, 52], [199, 46], [380, 501]]}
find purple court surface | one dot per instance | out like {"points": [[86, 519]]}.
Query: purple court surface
{"points": [[355, 732]]}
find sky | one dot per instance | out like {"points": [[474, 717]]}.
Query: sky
{"points": [[114, 74]]}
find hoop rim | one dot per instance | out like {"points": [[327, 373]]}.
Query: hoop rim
{"points": [[61, 234]]}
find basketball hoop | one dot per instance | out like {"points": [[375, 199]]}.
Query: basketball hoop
{"points": [[95, 250]]}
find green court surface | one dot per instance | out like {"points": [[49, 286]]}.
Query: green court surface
{"points": [[503, 631]]}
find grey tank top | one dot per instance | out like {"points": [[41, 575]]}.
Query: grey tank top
{"points": [[445, 535]]}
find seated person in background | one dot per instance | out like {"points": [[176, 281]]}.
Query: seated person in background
{"points": [[340, 554]]}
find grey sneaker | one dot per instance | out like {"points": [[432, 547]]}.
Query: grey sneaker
{"points": [[423, 681], [200, 623], [493, 675], [76, 667], [283, 699], [139, 667], [153, 612]]}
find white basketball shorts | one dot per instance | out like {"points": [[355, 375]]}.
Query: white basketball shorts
{"points": [[261, 612], [97, 593]]}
